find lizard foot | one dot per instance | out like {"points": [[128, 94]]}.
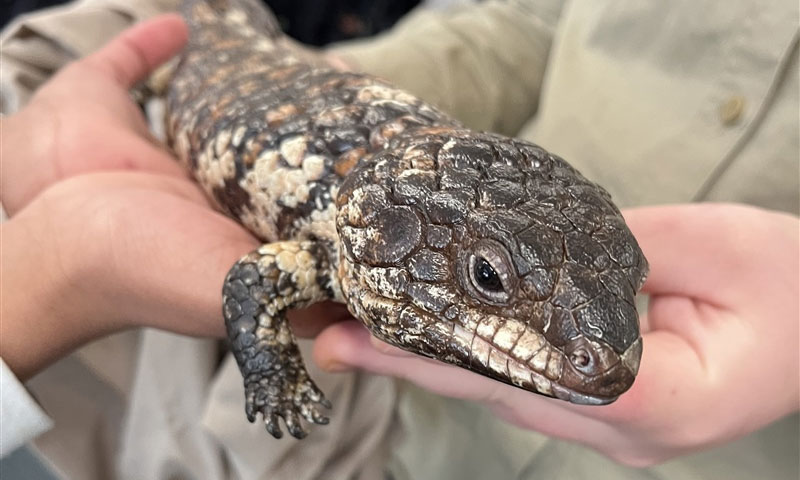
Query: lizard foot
{"points": [[258, 291], [288, 394]]}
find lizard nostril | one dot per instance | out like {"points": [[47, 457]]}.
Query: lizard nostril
{"points": [[581, 358]]}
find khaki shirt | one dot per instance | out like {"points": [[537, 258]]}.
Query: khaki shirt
{"points": [[660, 102]]}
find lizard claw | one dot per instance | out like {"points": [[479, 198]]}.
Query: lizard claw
{"points": [[276, 396], [273, 425]]}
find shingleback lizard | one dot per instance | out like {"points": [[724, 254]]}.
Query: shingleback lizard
{"points": [[475, 249]]}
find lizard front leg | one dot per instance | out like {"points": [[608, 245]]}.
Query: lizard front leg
{"points": [[258, 291]]}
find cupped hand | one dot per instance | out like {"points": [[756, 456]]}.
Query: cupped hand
{"points": [[105, 251], [84, 120], [720, 342], [107, 231]]}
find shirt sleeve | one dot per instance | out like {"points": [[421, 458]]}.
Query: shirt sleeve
{"points": [[482, 63], [21, 418]]}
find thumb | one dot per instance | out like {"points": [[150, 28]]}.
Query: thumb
{"points": [[137, 51], [694, 250], [708, 252]]}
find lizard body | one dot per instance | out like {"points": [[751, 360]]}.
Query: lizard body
{"points": [[475, 249]]}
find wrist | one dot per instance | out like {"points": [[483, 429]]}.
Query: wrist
{"points": [[44, 314]]}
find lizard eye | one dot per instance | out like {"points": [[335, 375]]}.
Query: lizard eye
{"points": [[489, 272], [485, 277]]}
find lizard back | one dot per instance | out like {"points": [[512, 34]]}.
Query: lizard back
{"points": [[269, 132], [482, 251]]}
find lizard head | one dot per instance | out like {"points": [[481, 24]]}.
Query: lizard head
{"points": [[494, 255]]}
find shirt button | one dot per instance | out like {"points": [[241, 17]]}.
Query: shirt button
{"points": [[731, 111]]}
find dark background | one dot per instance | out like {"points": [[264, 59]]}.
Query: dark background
{"points": [[313, 22]]}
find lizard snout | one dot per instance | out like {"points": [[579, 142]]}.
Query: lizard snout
{"points": [[595, 373]]}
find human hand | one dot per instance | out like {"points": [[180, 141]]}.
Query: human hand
{"points": [[102, 252], [86, 254], [83, 119], [720, 342]]}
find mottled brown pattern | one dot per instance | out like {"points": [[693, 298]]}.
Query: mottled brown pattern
{"points": [[474, 249]]}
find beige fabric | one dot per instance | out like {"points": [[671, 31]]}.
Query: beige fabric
{"points": [[483, 64], [181, 416], [21, 417], [658, 101], [634, 94], [36, 45]]}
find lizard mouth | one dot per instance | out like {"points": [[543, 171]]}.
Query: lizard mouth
{"points": [[547, 371], [564, 393]]}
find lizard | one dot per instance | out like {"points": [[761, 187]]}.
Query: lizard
{"points": [[475, 249]]}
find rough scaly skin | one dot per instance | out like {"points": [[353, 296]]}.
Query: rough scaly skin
{"points": [[475, 249]]}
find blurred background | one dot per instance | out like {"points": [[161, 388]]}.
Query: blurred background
{"points": [[313, 22]]}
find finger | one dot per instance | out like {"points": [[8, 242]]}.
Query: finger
{"points": [[127, 152], [136, 52], [671, 372], [123, 150], [310, 321], [672, 375], [103, 181], [347, 345], [134, 153], [387, 349], [694, 250]]}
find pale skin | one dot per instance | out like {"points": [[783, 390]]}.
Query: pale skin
{"points": [[107, 232]]}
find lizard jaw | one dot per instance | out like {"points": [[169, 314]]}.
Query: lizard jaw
{"points": [[564, 393], [542, 369]]}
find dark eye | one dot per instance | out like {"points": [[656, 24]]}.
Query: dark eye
{"points": [[487, 272], [485, 276]]}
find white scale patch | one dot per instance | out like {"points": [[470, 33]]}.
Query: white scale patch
{"points": [[267, 183], [371, 93], [449, 145], [212, 170], [264, 45], [504, 364], [314, 167], [222, 142], [238, 135], [271, 185], [320, 224], [264, 211], [386, 282], [239, 19], [294, 149]]}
